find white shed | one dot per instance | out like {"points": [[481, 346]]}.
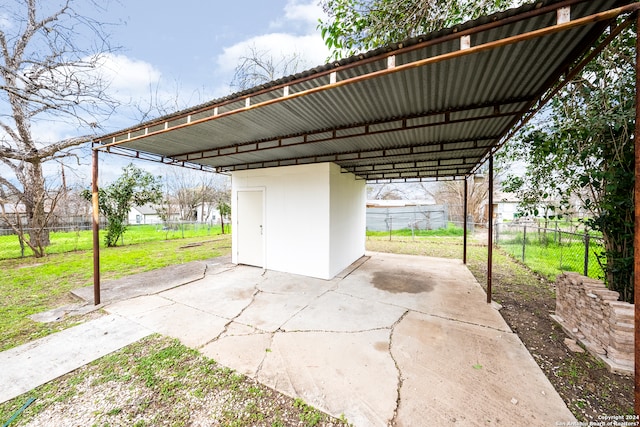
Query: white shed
{"points": [[305, 219]]}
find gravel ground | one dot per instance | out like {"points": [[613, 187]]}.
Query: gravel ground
{"points": [[159, 382]]}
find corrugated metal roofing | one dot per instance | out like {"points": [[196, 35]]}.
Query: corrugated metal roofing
{"points": [[422, 109]]}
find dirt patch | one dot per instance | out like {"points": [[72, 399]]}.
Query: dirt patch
{"points": [[399, 281]]}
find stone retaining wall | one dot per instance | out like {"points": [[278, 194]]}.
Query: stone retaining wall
{"points": [[592, 314]]}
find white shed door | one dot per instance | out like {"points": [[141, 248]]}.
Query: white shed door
{"points": [[250, 228]]}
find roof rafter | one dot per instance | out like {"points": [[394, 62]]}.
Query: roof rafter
{"points": [[408, 122]]}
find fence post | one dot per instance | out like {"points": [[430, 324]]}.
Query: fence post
{"points": [[413, 224], [524, 241], [586, 253], [390, 226]]}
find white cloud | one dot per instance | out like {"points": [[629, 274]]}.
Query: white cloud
{"points": [[129, 77], [298, 13], [295, 33], [311, 49]]}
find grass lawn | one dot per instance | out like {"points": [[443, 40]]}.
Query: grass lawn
{"points": [[552, 258], [69, 241], [32, 285], [451, 230]]}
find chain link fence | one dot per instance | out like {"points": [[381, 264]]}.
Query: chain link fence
{"points": [[72, 224], [552, 250], [407, 217], [418, 220], [85, 223]]}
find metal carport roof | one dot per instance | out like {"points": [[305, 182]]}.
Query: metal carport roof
{"points": [[428, 108]]}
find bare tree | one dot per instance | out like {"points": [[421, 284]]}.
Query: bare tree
{"points": [[260, 66], [451, 193], [50, 58], [384, 192], [197, 194]]}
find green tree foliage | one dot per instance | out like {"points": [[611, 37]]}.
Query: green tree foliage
{"points": [[582, 148], [135, 187], [359, 25], [225, 211]]}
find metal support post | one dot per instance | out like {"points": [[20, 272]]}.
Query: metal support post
{"points": [[95, 215], [464, 219], [636, 231], [490, 232], [586, 254]]}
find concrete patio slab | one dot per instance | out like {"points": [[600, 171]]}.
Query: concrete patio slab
{"points": [[245, 353], [224, 295], [340, 373], [292, 284], [393, 340], [174, 319], [146, 283], [449, 364], [449, 290], [343, 313], [40, 361], [138, 306], [269, 312]]}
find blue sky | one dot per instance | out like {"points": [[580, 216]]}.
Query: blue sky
{"points": [[184, 53], [189, 49]]}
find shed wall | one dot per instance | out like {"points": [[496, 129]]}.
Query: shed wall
{"points": [[314, 217], [348, 219]]}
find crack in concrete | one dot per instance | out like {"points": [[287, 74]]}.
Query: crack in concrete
{"points": [[392, 422], [266, 353], [332, 289], [504, 331], [422, 312], [298, 331], [256, 292]]}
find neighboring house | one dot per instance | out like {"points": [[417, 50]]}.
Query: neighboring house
{"points": [[505, 206], [207, 212], [506, 210], [12, 210], [144, 215], [149, 214]]}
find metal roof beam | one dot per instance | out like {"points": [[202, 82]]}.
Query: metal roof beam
{"points": [[141, 155], [411, 165], [415, 151], [568, 73], [418, 179], [361, 129]]}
